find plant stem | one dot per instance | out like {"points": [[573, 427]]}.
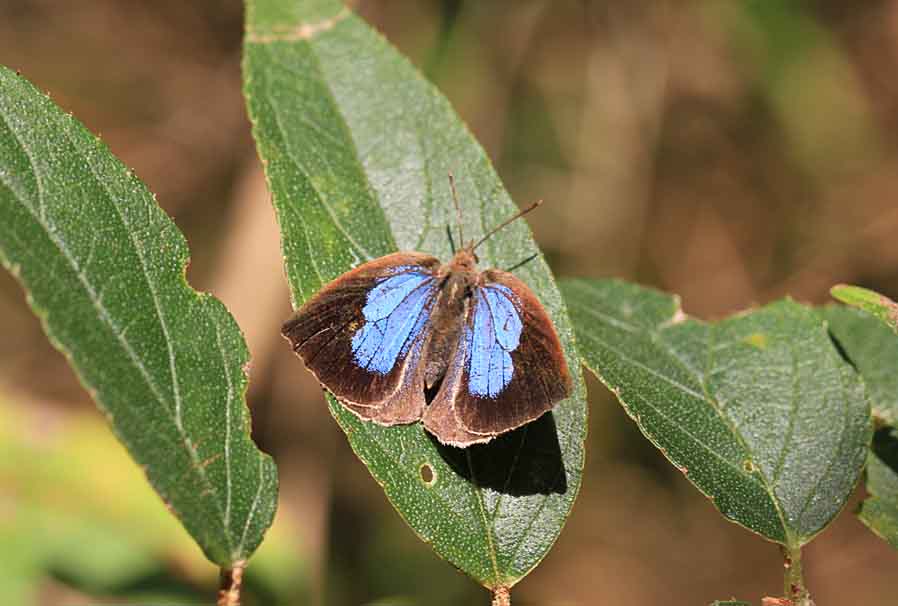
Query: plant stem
{"points": [[501, 596], [793, 578], [230, 583]]}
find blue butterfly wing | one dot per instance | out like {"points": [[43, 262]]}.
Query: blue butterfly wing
{"points": [[508, 367], [493, 335], [363, 336], [395, 315]]}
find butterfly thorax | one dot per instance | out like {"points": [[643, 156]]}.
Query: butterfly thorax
{"points": [[457, 282]]}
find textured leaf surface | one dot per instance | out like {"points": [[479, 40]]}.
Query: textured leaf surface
{"points": [[872, 347], [357, 148], [103, 267], [880, 511], [759, 411]]}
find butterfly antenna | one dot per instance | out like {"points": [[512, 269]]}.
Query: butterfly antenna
{"points": [[506, 222], [461, 235]]}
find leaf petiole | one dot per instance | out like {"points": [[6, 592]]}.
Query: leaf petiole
{"points": [[795, 592], [230, 584], [501, 596]]}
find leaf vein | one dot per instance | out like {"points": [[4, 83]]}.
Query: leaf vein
{"points": [[319, 195], [176, 418]]}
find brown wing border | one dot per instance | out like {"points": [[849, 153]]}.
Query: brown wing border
{"points": [[459, 418], [320, 333]]}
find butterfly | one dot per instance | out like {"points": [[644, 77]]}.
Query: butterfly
{"points": [[405, 337]]}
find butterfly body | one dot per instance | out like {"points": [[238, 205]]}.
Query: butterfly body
{"points": [[404, 338], [456, 281]]}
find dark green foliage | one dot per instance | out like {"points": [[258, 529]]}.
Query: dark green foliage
{"points": [[759, 411], [870, 344], [103, 267], [357, 148]]}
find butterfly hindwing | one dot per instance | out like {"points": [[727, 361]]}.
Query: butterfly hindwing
{"points": [[362, 335], [508, 368]]}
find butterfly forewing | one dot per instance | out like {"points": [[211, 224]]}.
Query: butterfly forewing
{"points": [[363, 334]]}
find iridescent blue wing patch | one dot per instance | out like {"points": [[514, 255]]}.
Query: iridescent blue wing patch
{"points": [[395, 313], [492, 336], [508, 368], [362, 336]]}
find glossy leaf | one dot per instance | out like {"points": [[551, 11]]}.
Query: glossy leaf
{"points": [[759, 411], [872, 347], [357, 148], [103, 268]]}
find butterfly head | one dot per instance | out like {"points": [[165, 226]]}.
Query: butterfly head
{"points": [[466, 258]]}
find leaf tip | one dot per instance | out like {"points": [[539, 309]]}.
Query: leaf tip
{"points": [[297, 32], [868, 300]]}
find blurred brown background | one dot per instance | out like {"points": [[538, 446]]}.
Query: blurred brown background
{"points": [[731, 152]]}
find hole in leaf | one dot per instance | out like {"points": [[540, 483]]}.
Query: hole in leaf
{"points": [[749, 466], [427, 474]]}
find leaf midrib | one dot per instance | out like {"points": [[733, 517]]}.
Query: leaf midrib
{"points": [[485, 522], [656, 331], [264, 95], [737, 435], [291, 157], [476, 492], [830, 466], [45, 225], [321, 280]]}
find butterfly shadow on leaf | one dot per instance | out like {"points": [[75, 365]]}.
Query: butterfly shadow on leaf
{"points": [[525, 461], [885, 446]]}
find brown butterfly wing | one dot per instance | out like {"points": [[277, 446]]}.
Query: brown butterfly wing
{"points": [[472, 408], [324, 333]]}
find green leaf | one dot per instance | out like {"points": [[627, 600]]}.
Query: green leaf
{"points": [[873, 348], [759, 411], [357, 148], [104, 267], [870, 301], [880, 511]]}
